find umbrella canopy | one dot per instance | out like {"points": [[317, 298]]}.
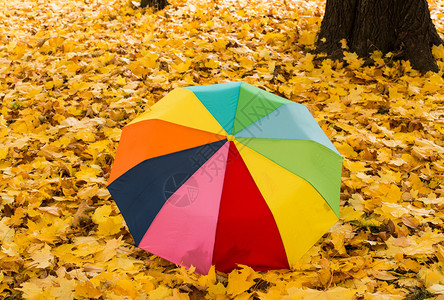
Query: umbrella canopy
{"points": [[226, 174]]}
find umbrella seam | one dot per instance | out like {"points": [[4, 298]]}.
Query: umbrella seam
{"points": [[235, 111]]}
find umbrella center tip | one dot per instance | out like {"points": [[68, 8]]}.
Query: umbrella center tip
{"points": [[230, 138]]}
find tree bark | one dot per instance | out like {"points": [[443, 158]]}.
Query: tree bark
{"points": [[403, 27], [156, 4]]}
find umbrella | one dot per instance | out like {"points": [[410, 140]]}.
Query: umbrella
{"points": [[226, 174]]}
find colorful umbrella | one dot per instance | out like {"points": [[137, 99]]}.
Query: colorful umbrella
{"points": [[226, 174]]}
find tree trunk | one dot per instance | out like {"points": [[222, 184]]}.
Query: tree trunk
{"points": [[402, 27], [156, 4]]}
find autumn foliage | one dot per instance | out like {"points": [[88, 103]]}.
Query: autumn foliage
{"points": [[73, 73]]}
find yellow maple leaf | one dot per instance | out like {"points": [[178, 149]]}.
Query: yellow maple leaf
{"points": [[65, 288], [209, 279], [240, 281], [110, 226], [356, 166], [88, 290], [246, 63], [120, 80], [182, 67], [331, 294], [438, 51], [307, 38], [346, 150], [86, 173], [109, 251], [101, 214], [348, 213], [212, 64], [129, 288], [42, 258], [392, 210], [86, 135], [161, 292], [216, 289], [113, 133], [31, 289], [149, 59], [4, 150], [353, 60], [33, 92]]}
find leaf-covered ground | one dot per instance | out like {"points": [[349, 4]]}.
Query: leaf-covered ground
{"points": [[73, 73]]}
